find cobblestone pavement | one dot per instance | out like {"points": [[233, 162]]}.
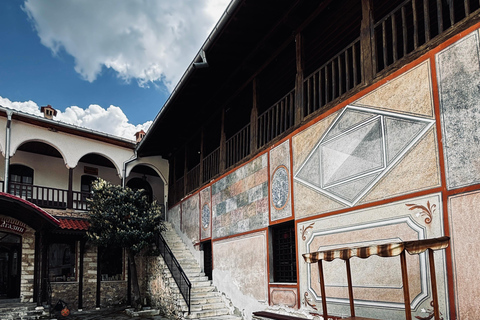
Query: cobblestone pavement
{"points": [[104, 314]]}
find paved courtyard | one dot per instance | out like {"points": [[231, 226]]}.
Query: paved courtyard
{"points": [[105, 314]]}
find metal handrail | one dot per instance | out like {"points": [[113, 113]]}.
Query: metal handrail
{"points": [[184, 285]]}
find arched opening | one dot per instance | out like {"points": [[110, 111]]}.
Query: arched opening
{"points": [[10, 265], [141, 183]]}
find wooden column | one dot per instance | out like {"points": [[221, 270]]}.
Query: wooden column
{"points": [[200, 171], [80, 274], [223, 142], [433, 280], [185, 171], [367, 44], [350, 287], [322, 289], [299, 78], [406, 290], [70, 189], [254, 119]]}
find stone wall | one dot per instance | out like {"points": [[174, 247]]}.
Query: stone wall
{"points": [[28, 265]]}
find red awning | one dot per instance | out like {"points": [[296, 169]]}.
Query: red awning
{"points": [[382, 250]]}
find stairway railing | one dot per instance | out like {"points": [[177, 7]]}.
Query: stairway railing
{"points": [[184, 285]]}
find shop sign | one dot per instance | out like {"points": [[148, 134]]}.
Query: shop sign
{"points": [[12, 225]]}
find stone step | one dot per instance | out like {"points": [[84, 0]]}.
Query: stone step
{"points": [[207, 313], [224, 317]]}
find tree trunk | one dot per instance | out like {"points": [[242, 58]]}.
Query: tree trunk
{"points": [[137, 303]]}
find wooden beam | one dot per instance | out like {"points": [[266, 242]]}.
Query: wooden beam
{"points": [[200, 173], [223, 142], [300, 63], [254, 118], [367, 43]]}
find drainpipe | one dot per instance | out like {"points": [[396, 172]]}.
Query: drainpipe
{"points": [[135, 157], [7, 150]]}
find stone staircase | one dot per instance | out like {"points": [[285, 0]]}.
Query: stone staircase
{"points": [[16, 311], [206, 302]]}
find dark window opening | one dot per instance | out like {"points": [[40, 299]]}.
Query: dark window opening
{"points": [[283, 249], [111, 266], [21, 181], [207, 258], [141, 184], [61, 261], [86, 183]]}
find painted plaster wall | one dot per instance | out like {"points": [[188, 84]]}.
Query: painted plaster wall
{"points": [[368, 170], [206, 213], [464, 226], [240, 199], [191, 216]]}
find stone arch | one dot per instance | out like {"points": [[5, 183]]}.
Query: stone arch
{"points": [[39, 146], [96, 156]]}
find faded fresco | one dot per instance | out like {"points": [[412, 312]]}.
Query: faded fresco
{"points": [[458, 72], [243, 263], [280, 188], [240, 200], [377, 281], [191, 218], [174, 216], [205, 213], [464, 226]]}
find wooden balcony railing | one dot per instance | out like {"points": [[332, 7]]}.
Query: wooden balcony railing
{"points": [[47, 197], [211, 165], [277, 119], [193, 178], [414, 23], [178, 190], [339, 75], [238, 146]]}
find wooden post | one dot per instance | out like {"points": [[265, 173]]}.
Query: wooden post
{"points": [[406, 290], [80, 275], [70, 189], [254, 119], [299, 78], [322, 289], [433, 280], [185, 171], [200, 171], [367, 44], [350, 288], [223, 142]]}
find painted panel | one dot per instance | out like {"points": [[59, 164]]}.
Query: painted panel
{"points": [[377, 281], [174, 216], [458, 72], [190, 218], [280, 189], [364, 153], [240, 200], [242, 262], [283, 296], [205, 213], [464, 226]]}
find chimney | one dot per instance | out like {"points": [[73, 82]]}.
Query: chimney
{"points": [[139, 135], [48, 112]]}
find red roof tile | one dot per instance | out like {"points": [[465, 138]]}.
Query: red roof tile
{"points": [[73, 224]]}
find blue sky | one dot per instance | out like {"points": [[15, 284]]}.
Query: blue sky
{"points": [[108, 65]]}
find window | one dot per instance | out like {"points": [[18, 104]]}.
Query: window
{"points": [[141, 183], [61, 261], [87, 183], [283, 250], [111, 263], [21, 181]]}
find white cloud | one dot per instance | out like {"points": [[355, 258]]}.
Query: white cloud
{"points": [[111, 120], [143, 40]]}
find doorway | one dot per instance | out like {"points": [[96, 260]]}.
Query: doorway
{"points": [[206, 246], [10, 264]]}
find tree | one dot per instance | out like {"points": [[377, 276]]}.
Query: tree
{"points": [[123, 217]]}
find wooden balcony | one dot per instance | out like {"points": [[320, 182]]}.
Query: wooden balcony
{"points": [[52, 198]]}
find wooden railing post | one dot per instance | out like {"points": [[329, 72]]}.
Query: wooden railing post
{"points": [[200, 170], [367, 43], [223, 141], [254, 119], [299, 79], [70, 189], [185, 171]]}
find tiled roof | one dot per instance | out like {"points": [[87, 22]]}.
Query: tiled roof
{"points": [[29, 204], [73, 224]]}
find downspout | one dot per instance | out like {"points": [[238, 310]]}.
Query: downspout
{"points": [[7, 150], [124, 177]]}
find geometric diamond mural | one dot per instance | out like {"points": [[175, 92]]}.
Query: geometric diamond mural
{"points": [[358, 149]]}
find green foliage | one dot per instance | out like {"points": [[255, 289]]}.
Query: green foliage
{"points": [[122, 217]]}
